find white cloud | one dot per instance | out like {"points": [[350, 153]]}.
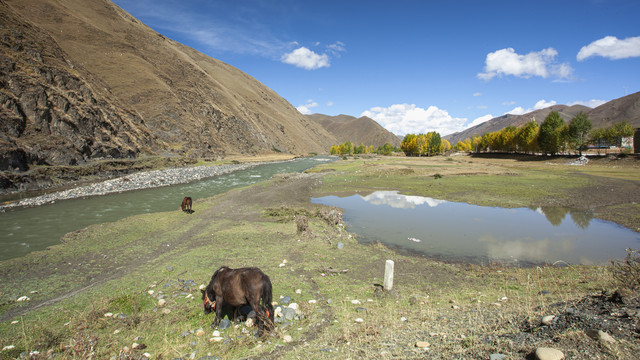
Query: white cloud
{"points": [[477, 94], [306, 108], [402, 119], [337, 48], [508, 62], [330, 103], [306, 59], [541, 104], [480, 120], [593, 103], [611, 47]]}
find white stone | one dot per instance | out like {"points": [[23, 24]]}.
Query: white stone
{"points": [[216, 339], [108, 314], [202, 287], [15, 321], [161, 302], [216, 333], [8, 347], [294, 306], [298, 291], [388, 275], [543, 353], [359, 320], [547, 320], [312, 301], [151, 292], [23, 298], [287, 338], [356, 302]]}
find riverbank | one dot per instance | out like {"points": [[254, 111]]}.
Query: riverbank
{"points": [[136, 280], [147, 179]]}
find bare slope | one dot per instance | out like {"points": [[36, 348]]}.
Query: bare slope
{"points": [[357, 130], [188, 102]]}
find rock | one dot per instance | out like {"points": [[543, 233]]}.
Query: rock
{"points": [[455, 307], [360, 309], [359, 320], [200, 332], [216, 339], [287, 338], [277, 312], [340, 246], [23, 298], [8, 347], [544, 353], [544, 292], [161, 302], [185, 333], [312, 301], [600, 336], [169, 268], [298, 291], [422, 344], [108, 314], [548, 320], [289, 313], [497, 357], [285, 300], [224, 324], [216, 333], [294, 306], [166, 311], [356, 302], [136, 346]]}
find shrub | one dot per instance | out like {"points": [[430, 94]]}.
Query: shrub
{"points": [[627, 272]]}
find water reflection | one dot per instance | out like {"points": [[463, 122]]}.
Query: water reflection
{"points": [[459, 231]]}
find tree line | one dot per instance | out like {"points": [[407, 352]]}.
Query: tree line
{"points": [[553, 136], [348, 148], [428, 144]]}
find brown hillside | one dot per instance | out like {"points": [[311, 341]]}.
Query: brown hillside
{"points": [[179, 100], [625, 108], [363, 130]]}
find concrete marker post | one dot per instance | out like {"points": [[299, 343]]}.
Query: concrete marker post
{"points": [[388, 275]]}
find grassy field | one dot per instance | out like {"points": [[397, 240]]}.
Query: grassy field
{"points": [[98, 293]]}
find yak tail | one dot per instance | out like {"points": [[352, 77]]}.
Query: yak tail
{"points": [[267, 296]]}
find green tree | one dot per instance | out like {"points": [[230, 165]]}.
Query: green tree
{"points": [[527, 137], [434, 143], [409, 145], [579, 128], [549, 138]]}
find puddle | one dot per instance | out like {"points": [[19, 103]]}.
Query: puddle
{"points": [[478, 234]]}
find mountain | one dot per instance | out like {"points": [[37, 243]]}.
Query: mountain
{"points": [[83, 79], [615, 111], [363, 130]]}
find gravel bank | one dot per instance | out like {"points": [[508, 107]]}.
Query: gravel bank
{"points": [[141, 180]]}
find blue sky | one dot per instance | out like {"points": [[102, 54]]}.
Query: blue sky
{"points": [[416, 66]]}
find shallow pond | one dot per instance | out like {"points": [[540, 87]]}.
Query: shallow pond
{"points": [[478, 234], [23, 230]]}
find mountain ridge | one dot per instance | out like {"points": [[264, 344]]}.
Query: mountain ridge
{"points": [[362, 130]]}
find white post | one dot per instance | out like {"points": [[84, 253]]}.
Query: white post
{"points": [[388, 275]]}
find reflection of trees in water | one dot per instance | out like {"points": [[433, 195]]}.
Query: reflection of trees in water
{"points": [[555, 215], [581, 218]]}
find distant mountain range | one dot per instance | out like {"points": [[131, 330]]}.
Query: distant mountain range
{"points": [[362, 130], [615, 111]]}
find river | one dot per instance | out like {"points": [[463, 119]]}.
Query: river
{"points": [[27, 229]]}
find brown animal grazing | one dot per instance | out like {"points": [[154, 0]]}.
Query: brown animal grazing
{"points": [[238, 287], [186, 205]]}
